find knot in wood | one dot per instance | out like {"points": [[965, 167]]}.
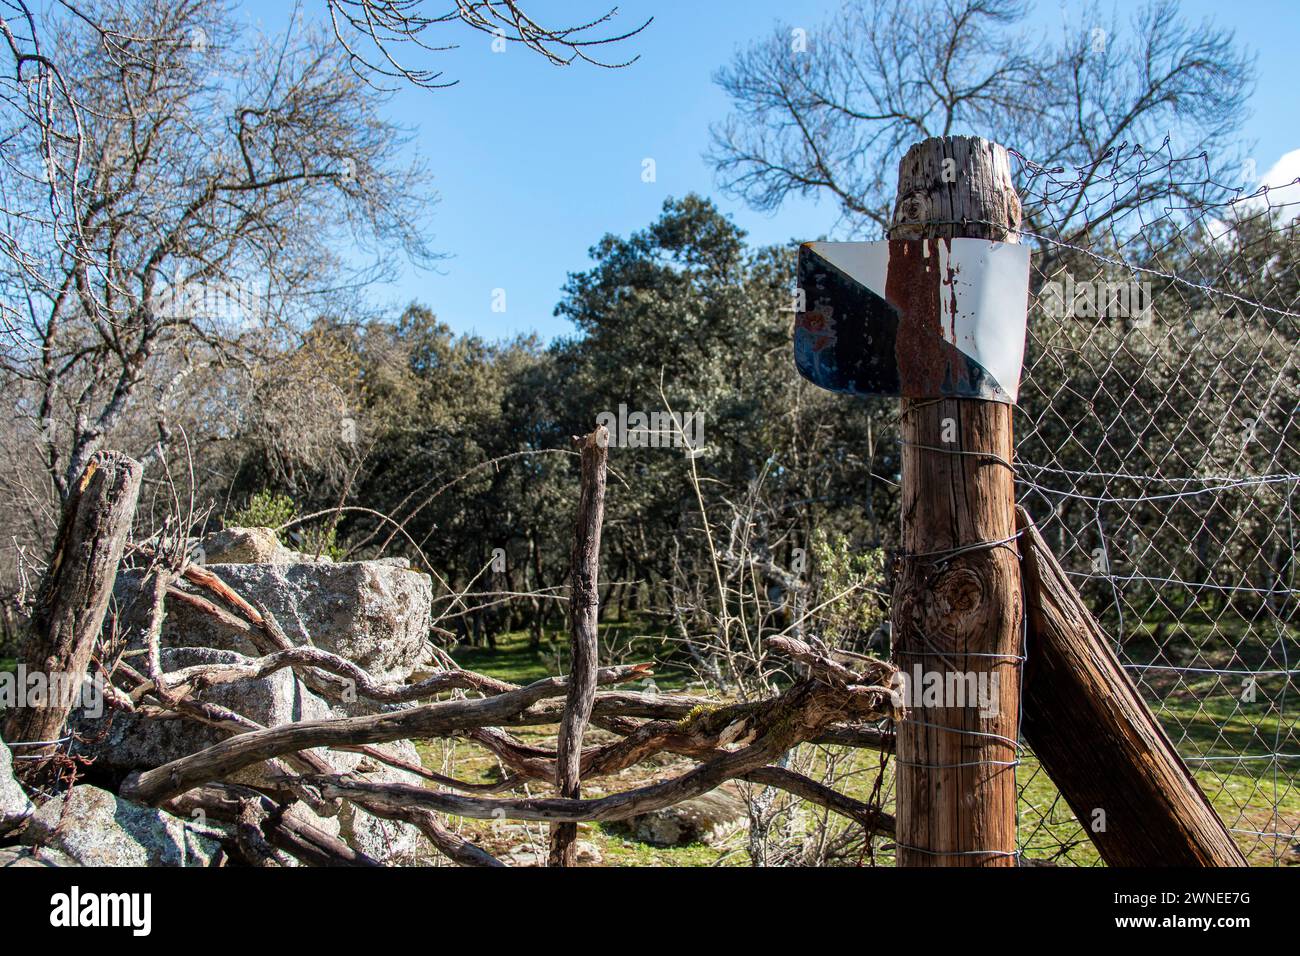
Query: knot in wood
{"points": [[911, 210], [957, 602]]}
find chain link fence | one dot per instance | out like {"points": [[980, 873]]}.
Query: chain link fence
{"points": [[1157, 449]]}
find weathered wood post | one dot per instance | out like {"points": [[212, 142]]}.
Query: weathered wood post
{"points": [[73, 597], [584, 615], [957, 615]]}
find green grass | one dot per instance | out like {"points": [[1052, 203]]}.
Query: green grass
{"points": [[619, 851], [512, 659]]}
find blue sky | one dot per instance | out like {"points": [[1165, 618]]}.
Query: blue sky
{"points": [[535, 163]]}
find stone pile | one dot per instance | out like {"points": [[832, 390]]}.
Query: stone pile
{"points": [[375, 613]]}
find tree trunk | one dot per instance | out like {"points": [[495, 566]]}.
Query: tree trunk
{"points": [[956, 616], [536, 588], [73, 597]]}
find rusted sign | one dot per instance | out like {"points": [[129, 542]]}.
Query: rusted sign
{"points": [[917, 318]]}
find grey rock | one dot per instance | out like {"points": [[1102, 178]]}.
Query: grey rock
{"points": [[27, 856], [389, 841], [587, 853], [709, 819], [377, 614], [244, 546], [122, 742], [100, 829], [14, 805], [132, 742], [374, 614], [523, 856]]}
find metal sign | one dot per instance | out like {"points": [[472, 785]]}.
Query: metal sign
{"points": [[916, 318]]}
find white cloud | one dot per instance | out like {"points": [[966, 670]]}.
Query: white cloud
{"points": [[1283, 190], [1285, 170], [1283, 194]]}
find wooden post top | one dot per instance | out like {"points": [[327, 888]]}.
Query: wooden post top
{"points": [[956, 186]]}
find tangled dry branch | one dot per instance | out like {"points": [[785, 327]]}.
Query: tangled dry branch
{"points": [[832, 700]]}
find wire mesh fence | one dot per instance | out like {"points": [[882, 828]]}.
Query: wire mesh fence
{"points": [[1157, 451]]}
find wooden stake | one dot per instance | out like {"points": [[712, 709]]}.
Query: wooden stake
{"points": [[74, 593], [956, 616], [1108, 755], [584, 612]]}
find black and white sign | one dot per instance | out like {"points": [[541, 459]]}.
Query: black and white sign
{"points": [[913, 318]]}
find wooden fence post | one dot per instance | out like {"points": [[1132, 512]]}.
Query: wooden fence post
{"points": [[74, 594], [584, 615], [957, 612]]}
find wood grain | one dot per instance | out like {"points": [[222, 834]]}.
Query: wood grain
{"points": [[584, 614], [73, 596], [958, 614]]}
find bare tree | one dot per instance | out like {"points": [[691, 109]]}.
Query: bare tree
{"points": [[374, 31], [828, 111], [175, 191], [182, 192]]}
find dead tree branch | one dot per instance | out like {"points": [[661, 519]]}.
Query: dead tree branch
{"points": [[584, 615]]}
